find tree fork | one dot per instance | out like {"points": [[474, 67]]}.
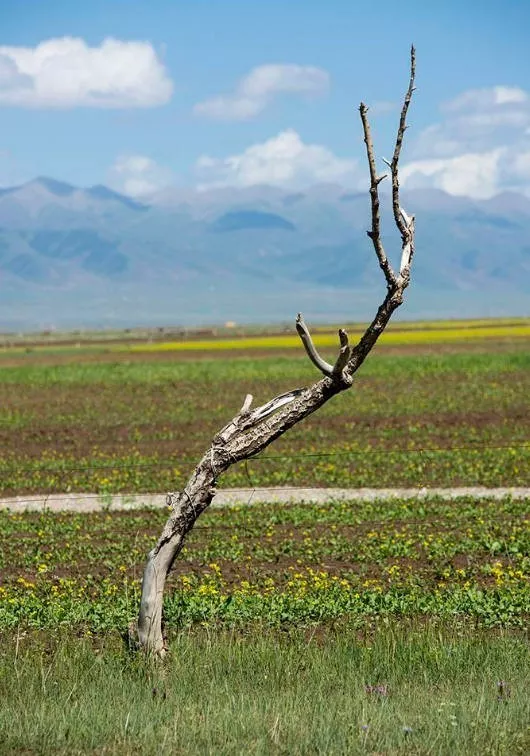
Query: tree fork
{"points": [[252, 430]]}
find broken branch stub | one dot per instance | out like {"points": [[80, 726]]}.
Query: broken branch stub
{"points": [[252, 430]]}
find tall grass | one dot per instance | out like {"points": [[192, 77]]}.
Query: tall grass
{"points": [[399, 691]]}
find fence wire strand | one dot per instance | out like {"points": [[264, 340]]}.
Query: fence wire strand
{"points": [[252, 489], [523, 444]]}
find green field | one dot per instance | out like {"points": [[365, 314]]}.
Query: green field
{"points": [[408, 618], [275, 565], [448, 416]]}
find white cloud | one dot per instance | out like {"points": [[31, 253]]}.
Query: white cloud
{"points": [[256, 90], [473, 174], [283, 160], [478, 99], [138, 176], [509, 94], [66, 73], [480, 147]]}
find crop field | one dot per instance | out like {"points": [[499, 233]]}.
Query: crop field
{"points": [[222, 339], [275, 564], [423, 413], [409, 618]]}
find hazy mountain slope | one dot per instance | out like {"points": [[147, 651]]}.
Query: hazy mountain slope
{"points": [[71, 256]]}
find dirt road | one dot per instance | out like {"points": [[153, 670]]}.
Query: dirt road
{"points": [[79, 502]]}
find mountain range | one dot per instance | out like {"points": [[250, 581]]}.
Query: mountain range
{"points": [[87, 258]]}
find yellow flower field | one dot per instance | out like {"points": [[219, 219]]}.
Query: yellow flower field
{"points": [[398, 338]]}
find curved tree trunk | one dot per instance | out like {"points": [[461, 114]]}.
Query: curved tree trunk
{"points": [[251, 431]]}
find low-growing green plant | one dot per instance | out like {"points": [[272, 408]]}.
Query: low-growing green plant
{"points": [[275, 565], [414, 420]]}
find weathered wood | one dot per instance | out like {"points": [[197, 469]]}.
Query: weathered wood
{"points": [[251, 431]]}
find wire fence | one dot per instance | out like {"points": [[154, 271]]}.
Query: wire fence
{"points": [[251, 489], [446, 520], [170, 464]]}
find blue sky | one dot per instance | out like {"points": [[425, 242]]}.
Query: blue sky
{"points": [[235, 93]]}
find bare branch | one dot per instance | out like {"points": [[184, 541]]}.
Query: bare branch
{"points": [[408, 249], [245, 409], [400, 221], [344, 353], [310, 348], [405, 225], [231, 428], [331, 371], [375, 180], [405, 217]]}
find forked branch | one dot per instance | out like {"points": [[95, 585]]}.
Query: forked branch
{"points": [[251, 431], [332, 371]]}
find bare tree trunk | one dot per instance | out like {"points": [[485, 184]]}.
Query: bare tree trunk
{"points": [[251, 431]]}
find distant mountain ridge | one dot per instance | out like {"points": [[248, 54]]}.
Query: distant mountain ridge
{"points": [[72, 257]]}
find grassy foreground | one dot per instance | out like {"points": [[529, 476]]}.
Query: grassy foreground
{"points": [[340, 628], [393, 691]]}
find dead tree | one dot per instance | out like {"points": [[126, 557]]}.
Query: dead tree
{"points": [[252, 430]]}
